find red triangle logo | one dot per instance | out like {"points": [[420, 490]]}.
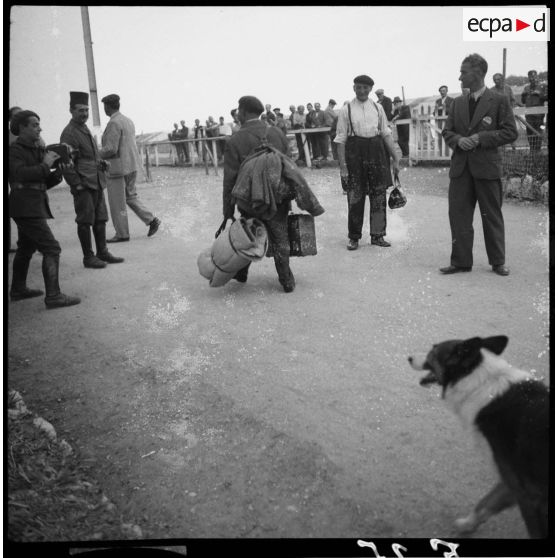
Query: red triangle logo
{"points": [[519, 25]]}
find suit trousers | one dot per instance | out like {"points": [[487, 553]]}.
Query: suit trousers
{"points": [[121, 193], [464, 192]]}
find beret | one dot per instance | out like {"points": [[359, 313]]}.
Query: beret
{"points": [[441, 86], [364, 79], [332, 102], [378, 91], [79, 98], [112, 98], [19, 118], [397, 100]]}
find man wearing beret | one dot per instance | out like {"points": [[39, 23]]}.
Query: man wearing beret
{"points": [[31, 174], [87, 182], [478, 123], [242, 144], [119, 148], [363, 139]]}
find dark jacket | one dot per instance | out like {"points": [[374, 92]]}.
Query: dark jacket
{"points": [[87, 167], [27, 169], [242, 144], [493, 121], [387, 105], [442, 106]]}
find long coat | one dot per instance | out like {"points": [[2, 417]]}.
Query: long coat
{"points": [[493, 121], [26, 168], [86, 170], [119, 146]]}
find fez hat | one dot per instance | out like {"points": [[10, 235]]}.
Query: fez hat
{"points": [[332, 102], [19, 118], [79, 98], [379, 91], [111, 99], [365, 80], [397, 100]]}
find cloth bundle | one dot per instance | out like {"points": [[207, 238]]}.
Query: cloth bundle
{"points": [[243, 242]]}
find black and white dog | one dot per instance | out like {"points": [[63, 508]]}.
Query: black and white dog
{"points": [[505, 407]]}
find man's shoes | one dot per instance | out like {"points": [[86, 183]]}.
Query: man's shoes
{"points": [[501, 269], [93, 262], [453, 269], [153, 226], [61, 300], [24, 293], [109, 258], [379, 241], [353, 245], [118, 239]]}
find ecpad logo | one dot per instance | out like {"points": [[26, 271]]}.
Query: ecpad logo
{"points": [[506, 24]]}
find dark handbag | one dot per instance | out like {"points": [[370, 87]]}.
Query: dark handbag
{"points": [[396, 198], [302, 235]]}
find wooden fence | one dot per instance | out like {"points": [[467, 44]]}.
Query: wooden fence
{"points": [[425, 141]]}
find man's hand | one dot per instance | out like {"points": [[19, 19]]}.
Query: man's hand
{"points": [[396, 167], [104, 165], [467, 144], [344, 172], [50, 157]]}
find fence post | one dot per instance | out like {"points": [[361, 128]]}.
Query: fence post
{"points": [[147, 168]]}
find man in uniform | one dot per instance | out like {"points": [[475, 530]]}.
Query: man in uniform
{"points": [[242, 144], [363, 138], [87, 182], [30, 175], [119, 148], [478, 123]]}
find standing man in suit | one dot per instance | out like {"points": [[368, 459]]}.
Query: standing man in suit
{"points": [[386, 103], [119, 148], [87, 181], [478, 123]]}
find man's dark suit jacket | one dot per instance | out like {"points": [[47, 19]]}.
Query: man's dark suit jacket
{"points": [[493, 121]]}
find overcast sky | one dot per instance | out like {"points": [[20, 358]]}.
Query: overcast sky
{"points": [[174, 63]]}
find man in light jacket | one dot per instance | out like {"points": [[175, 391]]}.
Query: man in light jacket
{"points": [[119, 149]]}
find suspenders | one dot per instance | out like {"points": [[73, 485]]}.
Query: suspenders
{"points": [[352, 130]]}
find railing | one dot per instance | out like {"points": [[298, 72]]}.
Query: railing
{"points": [[425, 141]]}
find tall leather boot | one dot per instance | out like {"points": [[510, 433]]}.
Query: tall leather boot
{"points": [[54, 298], [99, 232], [89, 258], [242, 274], [19, 289]]}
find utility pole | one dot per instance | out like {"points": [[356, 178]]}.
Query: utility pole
{"points": [[90, 66], [504, 66]]}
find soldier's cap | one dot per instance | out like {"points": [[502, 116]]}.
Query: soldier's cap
{"points": [[111, 99], [364, 80], [397, 100], [79, 98], [18, 119]]}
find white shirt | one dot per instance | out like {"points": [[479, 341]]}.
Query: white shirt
{"points": [[478, 93], [368, 118]]}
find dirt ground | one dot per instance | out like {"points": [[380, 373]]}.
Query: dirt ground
{"points": [[246, 412]]}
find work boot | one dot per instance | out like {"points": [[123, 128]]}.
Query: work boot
{"points": [[89, 258], [54, 298], [19, 289], [153, 226], [100, 241], [286, 277]]}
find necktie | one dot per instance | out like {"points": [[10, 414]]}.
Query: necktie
{"points": [[472, 106]]}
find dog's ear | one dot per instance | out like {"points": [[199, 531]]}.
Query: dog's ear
{"points": [[467, 353], [495, 344]]}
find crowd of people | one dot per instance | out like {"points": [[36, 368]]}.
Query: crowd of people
{"points": [[478, 122]]}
